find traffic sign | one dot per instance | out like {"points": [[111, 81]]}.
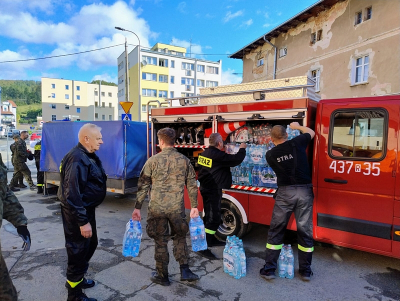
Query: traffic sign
{"points": [[126, 105], [41, 122], [127, 117]]}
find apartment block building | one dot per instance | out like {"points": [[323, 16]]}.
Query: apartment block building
{"points": [[165, 71], [78, 100], [349, 47]]}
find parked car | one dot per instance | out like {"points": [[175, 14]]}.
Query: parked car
{"points": [[36, 136], [11, 133]]}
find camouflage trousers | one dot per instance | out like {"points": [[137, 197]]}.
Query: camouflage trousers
{"points": [[7, 289], [20, 179], [21, 169], [158, 227]]}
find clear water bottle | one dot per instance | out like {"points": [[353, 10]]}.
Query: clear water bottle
{"points": [[237, 269], [197, 234], [225, 255], [264, 177], [272, 177], [132, 239], [242, 256], [282, 263], [255, 178], [230, 260], [289, 263]]}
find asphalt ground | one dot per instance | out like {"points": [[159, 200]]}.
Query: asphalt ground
{"points": [[39, 274]]}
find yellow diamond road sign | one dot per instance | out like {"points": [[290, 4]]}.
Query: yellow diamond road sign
{"points": [[126, 105]]}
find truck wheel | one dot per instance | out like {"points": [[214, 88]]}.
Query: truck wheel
{"points": [[232, 221]]}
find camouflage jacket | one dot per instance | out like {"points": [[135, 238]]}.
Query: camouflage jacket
{"points": [[10, 208], [166, 175], [21, 153]]}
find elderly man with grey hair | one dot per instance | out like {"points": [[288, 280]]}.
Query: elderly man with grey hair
{"points": [[215, 175], [82, 188]]}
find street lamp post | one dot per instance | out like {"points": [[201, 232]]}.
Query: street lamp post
{"points": [[139, 78]]}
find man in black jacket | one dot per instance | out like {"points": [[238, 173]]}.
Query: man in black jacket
{"points": [[82, 188], [214, 175]]}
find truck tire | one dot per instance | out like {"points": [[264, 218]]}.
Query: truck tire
{"points": [[232, 221]]}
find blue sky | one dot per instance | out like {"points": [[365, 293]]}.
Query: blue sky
{"points": [[216, 28]]}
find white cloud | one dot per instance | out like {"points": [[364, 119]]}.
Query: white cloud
{"points": [[182, 7], [106, 77], [15, 70], [267, 25], [229, 16], [228, 78], [196, 49], [247, 23]]}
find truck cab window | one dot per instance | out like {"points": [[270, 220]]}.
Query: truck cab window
{"points": [[358, 134]]}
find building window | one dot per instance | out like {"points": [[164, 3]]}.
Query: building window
{"points": [[96, 93], [78, 88], [361, 70], [172, 64], [163, 94], [315, 76], [120, 66], [316, 36], [260, 62], [67, 107], [66, 96], [282, 52], [149, 92], [358, 18], [96, 115], [187, 66], [103, 117], [150, 60], [163, 78], [78, 119], [110, 117], [187, 81], [109, 94], [214, 70], [103, 104], [53, 86], [96, 104], [53, 106], [200, 83], [110, 105], [53, 117], [201, 68], [163, 62], [172, 79], [66, 87], [144, 108], [53, 95], [149, 76], [121, 79], [171, 94], [368, 13], [211, 83], [78, 110], [78, 97], [103, 93]]}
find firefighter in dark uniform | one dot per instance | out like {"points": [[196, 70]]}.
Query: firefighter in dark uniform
{"points": [[166, 175], [20, 156], [215, 175], [40, 174], [82, 188], [295, 195], [11, 210], [21, 177]]}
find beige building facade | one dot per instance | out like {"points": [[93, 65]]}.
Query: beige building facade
{"points": [[350, 48], [78, 100]]}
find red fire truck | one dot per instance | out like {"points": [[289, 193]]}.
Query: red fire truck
{"points": [[355, 159]]}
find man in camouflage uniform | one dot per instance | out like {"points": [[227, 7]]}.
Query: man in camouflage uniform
{"points": [[167, 173], [40, 174], [20, 167], [21, 177], [11, 210]]}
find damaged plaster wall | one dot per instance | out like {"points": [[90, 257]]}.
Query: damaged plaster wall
{"points": [[334, 55]]}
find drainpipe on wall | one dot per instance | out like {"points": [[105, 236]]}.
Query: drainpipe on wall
{"points": [[274, 55]]}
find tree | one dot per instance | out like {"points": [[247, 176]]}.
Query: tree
{"points": [[103, 82]]}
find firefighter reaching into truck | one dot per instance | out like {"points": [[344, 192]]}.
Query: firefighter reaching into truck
{"points": [[215, 175], [295, 194]]}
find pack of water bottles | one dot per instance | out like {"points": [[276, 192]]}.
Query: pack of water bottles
{"points": [[197, 234], [132, 239], [234, 257], [286, 262]]}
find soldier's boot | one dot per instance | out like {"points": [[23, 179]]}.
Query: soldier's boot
{"points": [[212, 241], [160, 277], [22, 185], [76, 294], [187, 274], [12, 188]]}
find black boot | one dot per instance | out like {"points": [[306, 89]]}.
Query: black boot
{"points": [[160, 279], [39, 189], [86, 283], [12, 188], [212, 241], [22, 185], [187, 274], [76, 294]]}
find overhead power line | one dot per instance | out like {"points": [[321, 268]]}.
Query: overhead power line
{"points": [[97, 49]]}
